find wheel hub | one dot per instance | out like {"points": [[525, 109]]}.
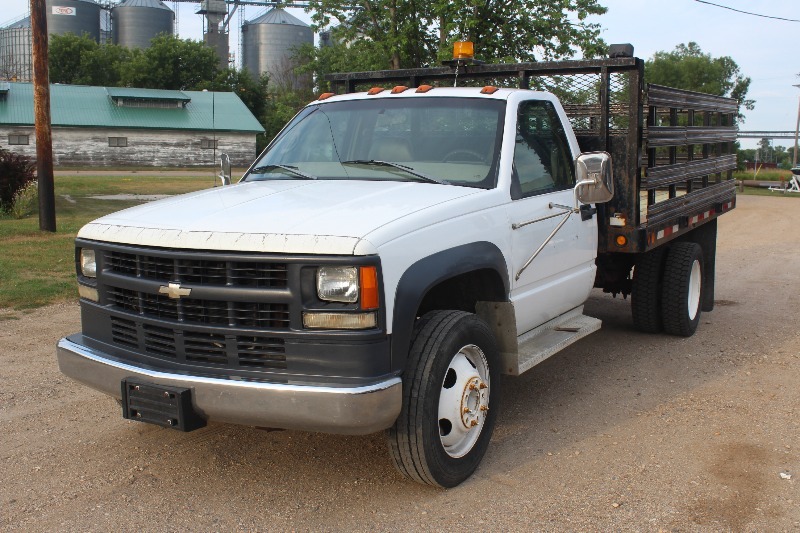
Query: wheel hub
{"points": [[474, 402], [464, 401]]}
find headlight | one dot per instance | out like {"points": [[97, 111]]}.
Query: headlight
{"points": [[337, 284], [88, 263]]}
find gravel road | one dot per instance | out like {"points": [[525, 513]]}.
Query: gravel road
{"points": [[622, 431]]}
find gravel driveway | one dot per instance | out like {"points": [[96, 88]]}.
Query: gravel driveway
{"points": [[621, 431]]}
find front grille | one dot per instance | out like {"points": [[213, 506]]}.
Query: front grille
{"points": [[256, 315], [159, 341], [249, 274], [124, 332], [213, 349], [205, 347], [215, 330]]}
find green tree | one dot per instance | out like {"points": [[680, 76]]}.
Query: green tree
{"points": [[65, 55], [103, 65], [687, 67], [171, 63], [394, 34], [252, 91]]}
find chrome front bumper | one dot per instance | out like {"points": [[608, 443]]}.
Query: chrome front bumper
{"points": [[344, 410]]}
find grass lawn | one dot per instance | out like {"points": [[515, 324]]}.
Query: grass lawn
{"points": [[38, 268], [763, 175], [764, 191]]}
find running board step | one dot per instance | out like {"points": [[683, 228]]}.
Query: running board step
{"points": [[549, 339]]}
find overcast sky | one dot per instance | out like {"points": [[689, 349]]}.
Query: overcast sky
{"points": [[764, 48]]}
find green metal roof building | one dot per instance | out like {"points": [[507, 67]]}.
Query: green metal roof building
{"points": [[113, 126]]}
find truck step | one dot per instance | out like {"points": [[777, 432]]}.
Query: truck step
{"points": [[549, 339]]}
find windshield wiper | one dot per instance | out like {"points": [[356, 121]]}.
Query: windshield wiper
{"points": [[288, 168], [404, 168]]}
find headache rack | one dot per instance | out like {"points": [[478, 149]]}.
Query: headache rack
{"points": [[673, 150]]}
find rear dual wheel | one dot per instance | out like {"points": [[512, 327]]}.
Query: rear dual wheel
{"points": [[682, 289], [646, 291], [667, 290], [450, 391]]}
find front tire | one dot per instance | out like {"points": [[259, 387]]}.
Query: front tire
{"points": [[682, 289], [450, 396]]}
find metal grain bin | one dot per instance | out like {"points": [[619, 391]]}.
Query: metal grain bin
{"points": [[136, 22], [268, 45], [16, 61], [73, 16]]}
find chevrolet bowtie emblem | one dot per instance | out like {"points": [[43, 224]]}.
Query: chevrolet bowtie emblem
{"points": [[173, 290]]}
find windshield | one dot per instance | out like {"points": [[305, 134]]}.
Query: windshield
{"points": [[455, 141]]}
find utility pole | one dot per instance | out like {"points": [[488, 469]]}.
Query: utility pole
{"points": [[796, 131], [41, 111]]}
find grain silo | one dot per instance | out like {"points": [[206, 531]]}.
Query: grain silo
{"points": [[73, 16], [269, 44], [16, 62], [136, 22]]}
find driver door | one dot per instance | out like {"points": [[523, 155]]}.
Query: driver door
{"points": [[543, 173]]}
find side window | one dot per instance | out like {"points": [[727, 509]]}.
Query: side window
{"points": [[542, 159]]}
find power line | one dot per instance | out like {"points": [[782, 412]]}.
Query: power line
{"points": [[746, 12]]}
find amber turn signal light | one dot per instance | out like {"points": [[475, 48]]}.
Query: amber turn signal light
{"points": [[368, 280]]}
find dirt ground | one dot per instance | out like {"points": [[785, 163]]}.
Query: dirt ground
{"points": [[622, 431]]}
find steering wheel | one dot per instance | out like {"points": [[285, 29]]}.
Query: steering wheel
{"points": [[471, 154]]}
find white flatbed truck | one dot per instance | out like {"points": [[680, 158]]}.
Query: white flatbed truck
{"points": [[400, 245]]}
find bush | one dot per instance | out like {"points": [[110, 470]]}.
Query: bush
{"points": [[16, 171], [26, 201]]}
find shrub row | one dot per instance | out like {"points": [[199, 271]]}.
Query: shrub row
{"points": [[16, 174]]}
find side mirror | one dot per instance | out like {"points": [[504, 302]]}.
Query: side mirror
{"points": [[595, 178], [225, 169]]}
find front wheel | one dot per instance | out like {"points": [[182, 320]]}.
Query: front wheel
{"points": [[450, 395]]}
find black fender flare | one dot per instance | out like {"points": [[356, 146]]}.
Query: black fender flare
{"points": [[426, 273]]}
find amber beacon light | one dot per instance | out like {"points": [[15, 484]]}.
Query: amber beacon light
{"points": [[463, 50]]}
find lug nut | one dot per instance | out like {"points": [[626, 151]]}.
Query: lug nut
{"points": [[471, 386], [483, 385], [474, 423], [484, 408], [166, 394], [465, 409]]}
